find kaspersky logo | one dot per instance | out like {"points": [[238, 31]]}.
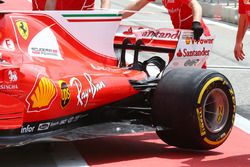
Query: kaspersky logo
{"points": [[42, 95], [23, 29]]}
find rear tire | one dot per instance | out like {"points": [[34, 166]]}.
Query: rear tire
{"points": [[194, 108]]}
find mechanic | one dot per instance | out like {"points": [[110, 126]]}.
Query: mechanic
{"points": [[244, 20], [67, 4], [184, 14]]}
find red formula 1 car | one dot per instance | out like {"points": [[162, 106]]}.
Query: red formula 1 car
{"points": [[59, 71]]}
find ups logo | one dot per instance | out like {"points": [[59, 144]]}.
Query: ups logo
{"points": [[65, 93]]}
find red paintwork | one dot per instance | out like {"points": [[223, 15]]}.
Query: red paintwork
{"points": [[50, 73], [16, 5], [11, 118]]}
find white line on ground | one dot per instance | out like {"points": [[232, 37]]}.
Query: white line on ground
{"points": [[65, 154], [207, 21], [229, 67], [242, 123]]}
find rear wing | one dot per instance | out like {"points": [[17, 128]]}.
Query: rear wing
{"points": [[180, 43]]}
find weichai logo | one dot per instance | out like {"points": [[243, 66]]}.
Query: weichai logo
{"points": [[65, 93], [42, 95], [189, 53]]}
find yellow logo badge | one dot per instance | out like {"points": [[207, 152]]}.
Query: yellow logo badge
{"points": [[23, 29], [42, 95], [65, 93], [188, 40]]}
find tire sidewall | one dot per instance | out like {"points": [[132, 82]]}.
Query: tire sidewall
{"points": [[211, 82]]}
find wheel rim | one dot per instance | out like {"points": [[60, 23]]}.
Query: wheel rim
{"points": [[216, 107]]}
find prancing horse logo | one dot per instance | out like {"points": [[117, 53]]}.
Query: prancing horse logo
{"points": [[23, 29]]}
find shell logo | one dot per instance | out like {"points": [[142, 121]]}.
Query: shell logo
{"points": [[42, 95]]}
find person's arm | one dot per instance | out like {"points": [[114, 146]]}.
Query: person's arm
{"points": [[50, 5], [196, 9], [134, 6], [242, 28], [197, 15], [105, 4]]}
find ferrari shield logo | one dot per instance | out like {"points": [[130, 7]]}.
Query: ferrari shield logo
{"points": [[23, 29]]}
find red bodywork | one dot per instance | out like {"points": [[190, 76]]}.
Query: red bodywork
{"points": [[36, 89]]}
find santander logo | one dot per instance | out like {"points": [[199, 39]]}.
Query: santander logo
{"points": [[188, 53], [163, 34]]}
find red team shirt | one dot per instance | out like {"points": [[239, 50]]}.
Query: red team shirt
{"points": [[65, 4], [181, 14], [244, 8]]}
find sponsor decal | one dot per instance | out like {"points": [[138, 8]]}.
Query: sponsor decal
{"points": [[44, 51], [200, 120], [161, 34], [12, 75], [188, 40], [39, 127], [84, 94], [202, 41], [23, 29], [41, 47], [101, 68], [43, 126], [189, 53], [10, 80], [56, 123], [176, 63], [65, 93], [129, 31], [220, 111], [8, 44], [8, 87], [190, 63], [27, 129], [63, 121], [149, 33], [42, 95]]}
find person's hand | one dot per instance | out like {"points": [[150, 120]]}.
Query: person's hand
{"points": [[238, 51], [198, 30]]}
